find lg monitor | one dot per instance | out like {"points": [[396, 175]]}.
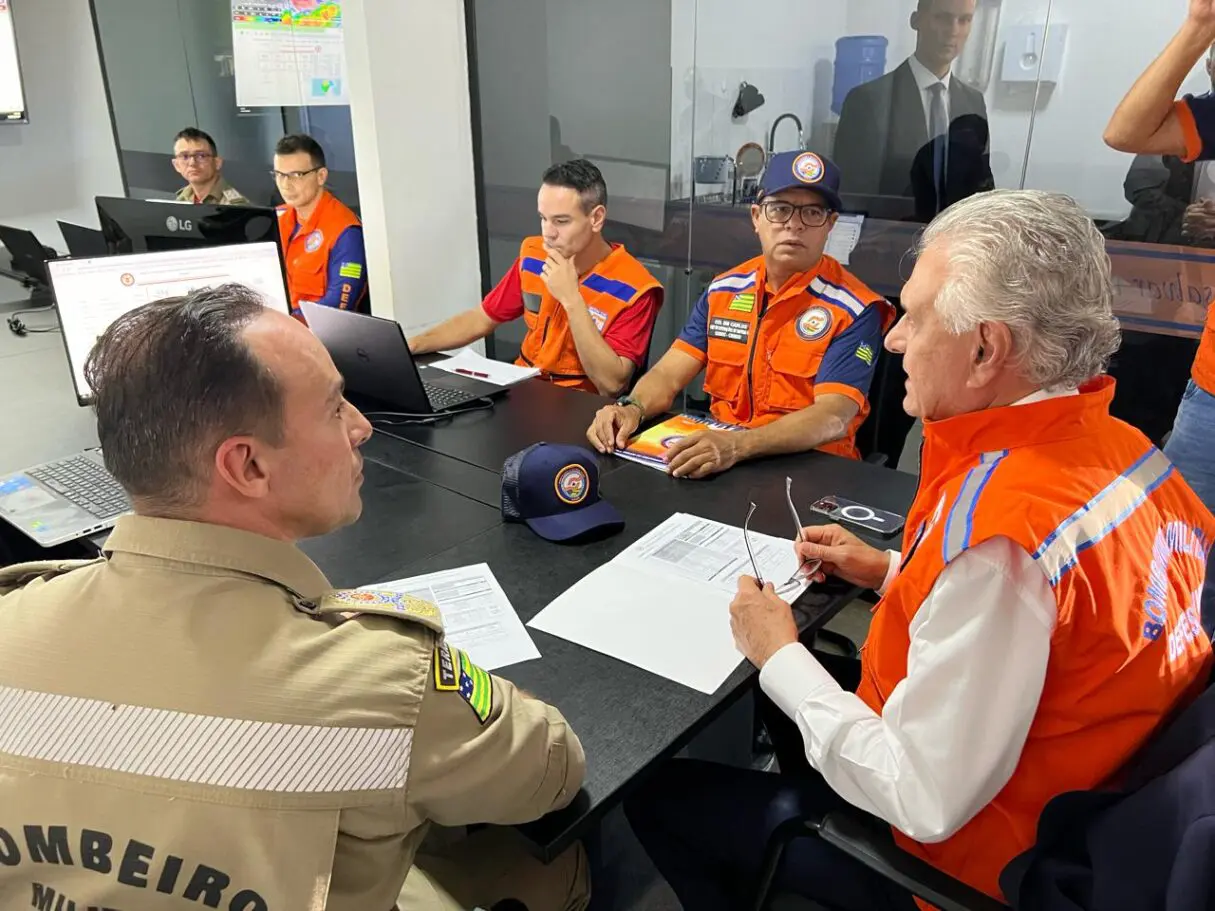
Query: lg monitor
{"points": [[147, 226], [92, 293]]}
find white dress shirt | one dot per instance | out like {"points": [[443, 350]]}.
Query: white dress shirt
{"points": [[952, 731], [926, 79]]}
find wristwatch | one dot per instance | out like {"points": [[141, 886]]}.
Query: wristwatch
{"points": [[626, 400]]}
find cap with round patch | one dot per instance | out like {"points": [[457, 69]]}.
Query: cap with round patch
{"points": [[802, 170], [555, 490]]}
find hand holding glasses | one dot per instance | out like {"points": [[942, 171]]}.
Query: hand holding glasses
{"points": [[802, 571]]}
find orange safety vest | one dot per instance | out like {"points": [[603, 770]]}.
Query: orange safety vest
{"points": [[1122, 541], [783, 339], [615, 283], [307, 253], [1204, 362]]}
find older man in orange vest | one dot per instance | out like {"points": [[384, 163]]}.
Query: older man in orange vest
{"points": [[1039, 622], [322, 240], [589, 306]]}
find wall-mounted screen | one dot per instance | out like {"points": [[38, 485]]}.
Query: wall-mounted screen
{"points": [[12, 95]]}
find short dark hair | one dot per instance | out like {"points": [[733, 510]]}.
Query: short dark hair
{"points": [[582, 176], [301, 142], [172, 380], [194, 134]]}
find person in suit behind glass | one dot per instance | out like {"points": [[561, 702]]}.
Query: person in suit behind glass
{"points": [[918, 131]]}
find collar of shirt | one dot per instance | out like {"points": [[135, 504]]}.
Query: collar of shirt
{"points": [[1044, 394], [215, 197], [925, 79], [219, 547]]}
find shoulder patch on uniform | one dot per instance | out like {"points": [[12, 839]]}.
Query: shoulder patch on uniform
{"points": [[864, 352], [476, 687], [383, 603], [351, 270], [446, 660]]}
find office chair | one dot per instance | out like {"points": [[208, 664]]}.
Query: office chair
{"points": [[1165, 779], [884, 434]]}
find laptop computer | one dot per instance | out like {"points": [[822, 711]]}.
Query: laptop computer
{"points": [[373, 357], [82, 241], [29, 255], [75, 497]]}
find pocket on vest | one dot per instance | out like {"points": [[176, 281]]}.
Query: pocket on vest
{"points": [[794, 368], [725, 369]]}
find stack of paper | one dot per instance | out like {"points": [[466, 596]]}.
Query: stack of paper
{"points": [[650, 446], [477, 616], [664, 603], [469, 363], [844, 237]]}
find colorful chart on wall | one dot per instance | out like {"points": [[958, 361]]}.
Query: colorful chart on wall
{"points": [[288, 52], [12, 97]]}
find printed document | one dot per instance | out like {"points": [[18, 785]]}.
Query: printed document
{"points": [[664, 603], [477, 615], [844, 237], [469, 363]]}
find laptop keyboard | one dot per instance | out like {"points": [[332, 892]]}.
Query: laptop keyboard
{"points": [[85, 483], [444, 397]]}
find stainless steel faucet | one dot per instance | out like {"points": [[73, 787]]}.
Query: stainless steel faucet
{"points": [[801, 143]]}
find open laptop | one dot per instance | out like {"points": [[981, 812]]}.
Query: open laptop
{"points": [[373, 357], [74, 497], [82, 241], [29, 255]]}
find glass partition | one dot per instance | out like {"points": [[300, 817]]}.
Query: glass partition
{"points": [[168, 65]]}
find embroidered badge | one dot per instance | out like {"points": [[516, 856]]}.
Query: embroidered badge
{"points": [[572, 484], [743, 303], [865, 353], [314, 241], [476, 687], [351, 270], [814, 324], [808, 168], [370, 599], [445, 661], [731, 330], [598, 317]]}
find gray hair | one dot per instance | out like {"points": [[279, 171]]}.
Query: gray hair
{"points": [[1037, 263]]}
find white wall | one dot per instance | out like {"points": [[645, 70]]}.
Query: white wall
{"points": [[52, 167], [1105, 51], [407, 68], [731, 43]]}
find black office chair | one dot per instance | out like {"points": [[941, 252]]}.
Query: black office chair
{"points": [[884, 434], [1167, 775]]}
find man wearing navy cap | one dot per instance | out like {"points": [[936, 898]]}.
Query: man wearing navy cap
{"points": [[788, 340]]}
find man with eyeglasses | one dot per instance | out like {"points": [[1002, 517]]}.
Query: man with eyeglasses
{"points": [[322, 240], [196, 158], [788, 340]]}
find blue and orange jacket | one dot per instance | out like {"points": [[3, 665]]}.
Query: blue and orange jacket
{"points": [[764, 350], [615, 284], [307, 250]]}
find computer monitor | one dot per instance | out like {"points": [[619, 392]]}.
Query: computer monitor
{"points": [[29, 255], [82, 241], [92, 293], [150, 226]]}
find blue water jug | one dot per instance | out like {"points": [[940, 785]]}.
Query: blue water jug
{"points": [[858, 59]]}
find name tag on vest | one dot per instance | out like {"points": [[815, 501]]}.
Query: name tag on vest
{"points": [[731, 330]]}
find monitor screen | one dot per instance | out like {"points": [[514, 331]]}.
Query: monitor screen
{"points": [[12, 94], [143, 225], [92, 293]]}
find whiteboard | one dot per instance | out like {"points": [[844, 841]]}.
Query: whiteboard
{"points": [[289, 53], [12, 95]]}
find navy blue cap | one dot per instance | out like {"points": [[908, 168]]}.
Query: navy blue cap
{"points": [[805, 170], [555, 490]]}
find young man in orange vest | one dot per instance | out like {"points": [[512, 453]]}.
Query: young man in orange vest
{"points": [[589, 306], [1039, 622], [1150, 122], [322, 240], [788, 340]]}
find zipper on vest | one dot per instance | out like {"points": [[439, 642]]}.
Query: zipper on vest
{"points": [[759, 321]]}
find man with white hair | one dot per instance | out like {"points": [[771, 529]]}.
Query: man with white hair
{"points": [[1040, 620]]}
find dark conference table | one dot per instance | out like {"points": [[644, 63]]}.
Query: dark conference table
{"points": [[628, 719]]}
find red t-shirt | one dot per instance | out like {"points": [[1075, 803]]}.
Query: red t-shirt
{"points": [[628, 335]]}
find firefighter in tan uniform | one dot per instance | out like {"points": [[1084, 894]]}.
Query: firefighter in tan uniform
{"points": [[198, 719]]}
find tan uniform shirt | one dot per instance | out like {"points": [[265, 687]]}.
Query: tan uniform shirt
{"points": [[222, 194], [190, 723]]}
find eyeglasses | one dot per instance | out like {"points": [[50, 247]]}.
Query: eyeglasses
{"points": [[292, 176], [812, 215], [801, 572], [187, 157]]}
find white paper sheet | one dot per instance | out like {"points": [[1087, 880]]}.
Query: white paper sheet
{"points": [[477, 615], [844, 237], [664, 603], [469, 363]]}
